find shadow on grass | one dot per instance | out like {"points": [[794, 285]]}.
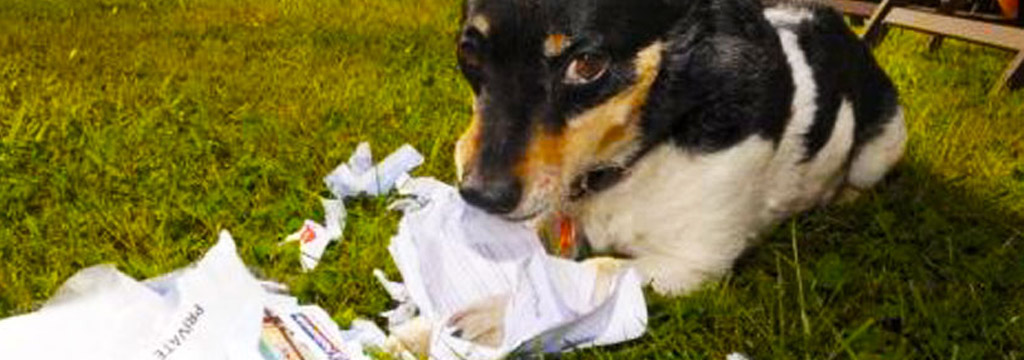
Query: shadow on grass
{"points": [[918, 268]]}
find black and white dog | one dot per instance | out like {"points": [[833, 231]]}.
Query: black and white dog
{"points": [[673, 131]]}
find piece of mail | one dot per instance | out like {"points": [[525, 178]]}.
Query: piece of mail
{"points": [[214, 309], [211, 310]]}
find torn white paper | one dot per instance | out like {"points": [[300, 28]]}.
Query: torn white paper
{"points": [[357, 177], [290, 329], [406, 309], [214, 309], [211, 310], [313, 238], [365, 332], [452, 256]]}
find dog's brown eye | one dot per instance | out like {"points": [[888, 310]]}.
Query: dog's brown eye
{"points": [[586, 68]]}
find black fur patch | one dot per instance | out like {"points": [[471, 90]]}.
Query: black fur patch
{"points": [[723, 79], [843, 68]]}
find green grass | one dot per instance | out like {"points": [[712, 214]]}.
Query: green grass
{"points": [[132, 131]]}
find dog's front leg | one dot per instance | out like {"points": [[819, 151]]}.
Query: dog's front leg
{"points": [[483, 322], [607, 269], [670, 275], [412, 336]]}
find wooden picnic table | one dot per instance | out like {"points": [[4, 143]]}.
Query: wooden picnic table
{"points": [[942, 23]]}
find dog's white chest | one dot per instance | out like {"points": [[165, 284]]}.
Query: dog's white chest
{"points": [[710, 205], [672, 196]]}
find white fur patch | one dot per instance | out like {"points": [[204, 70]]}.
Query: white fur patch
{"points": [[683, 217], [825, 171], [880, 154], [805, 96], [792, 149], [787, 15], [482, 24]]}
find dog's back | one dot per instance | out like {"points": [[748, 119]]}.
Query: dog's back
{"points": [[847, 126]]}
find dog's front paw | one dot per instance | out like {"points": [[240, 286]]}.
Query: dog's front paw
{"points": [[678, 277], [483, 322], [412, 336], [606, 269]]}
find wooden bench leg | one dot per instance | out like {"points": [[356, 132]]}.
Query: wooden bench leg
{"points": [[946, 7], [1013, 77], [875, 31], [936, 43]]}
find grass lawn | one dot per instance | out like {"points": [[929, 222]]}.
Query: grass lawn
{"points": [[131, 131]]}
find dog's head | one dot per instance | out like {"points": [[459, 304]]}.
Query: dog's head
{"points": [[559, 89]]}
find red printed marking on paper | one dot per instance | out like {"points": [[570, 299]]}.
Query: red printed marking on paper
{"points": [[308, 234]]}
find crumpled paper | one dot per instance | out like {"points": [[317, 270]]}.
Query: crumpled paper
{"points": [[313, 238], [356, 177], [307, 330], [210, 310], [214, 309], [452, 256]]}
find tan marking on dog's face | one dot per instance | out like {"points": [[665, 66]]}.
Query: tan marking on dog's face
{"points": [[481, 23], [605, 133], [614, 135], [555, 44], [545, 151], [539, 172], [468, 144]]}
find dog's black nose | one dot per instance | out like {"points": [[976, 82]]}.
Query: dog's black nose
{"points": [[497, 196]]}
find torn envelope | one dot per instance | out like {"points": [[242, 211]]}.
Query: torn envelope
{"points": [[452, 256]]}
